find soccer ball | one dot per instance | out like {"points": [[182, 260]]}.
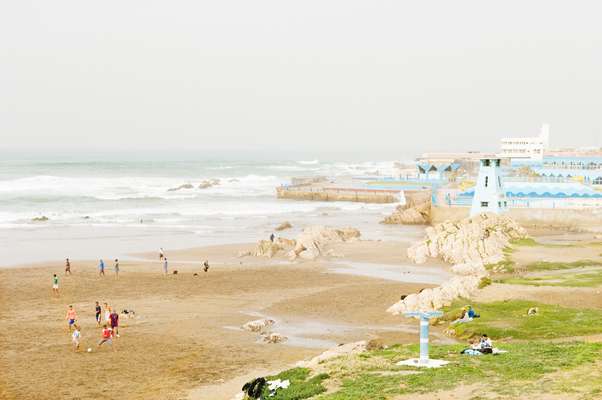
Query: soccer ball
{"points": [[89, 349]]}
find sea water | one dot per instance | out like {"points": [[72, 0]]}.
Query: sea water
{"points": [[108, 208]]}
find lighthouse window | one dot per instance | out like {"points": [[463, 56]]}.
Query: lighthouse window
{"points": [[499, 181], [486, 163], [486, 181], [497, 163], [484, 204], [499, 204]]}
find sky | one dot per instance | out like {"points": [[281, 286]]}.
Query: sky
{"points": [[372, 77]]}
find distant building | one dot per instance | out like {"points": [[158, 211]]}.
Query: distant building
{"points": [[526, 148], [489, 193]]}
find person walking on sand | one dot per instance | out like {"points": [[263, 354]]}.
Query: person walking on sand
{"points": [[101, 268], [107, 337], [161, 254], [55, 284], [107, 313], [76, 337], [165, 266], [272, 237], [206, 266], [67, 267], [98, 311], [116, 268], [71, 317], [114, 322]]}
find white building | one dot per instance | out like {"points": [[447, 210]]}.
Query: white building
{"points": [[526, 148], [489, 193]]}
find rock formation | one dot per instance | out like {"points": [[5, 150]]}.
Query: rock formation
{"points": [[469, 245], [258, 325], [310, 244], [345, 349], [415, 211], [184, 186], [283, 226], [43, 218], [209, 183], [273, 337]]}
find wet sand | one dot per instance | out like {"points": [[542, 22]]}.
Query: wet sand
{"points": [[186, 335]]}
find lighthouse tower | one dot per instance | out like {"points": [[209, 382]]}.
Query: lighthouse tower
{"points": [[489, 194]]}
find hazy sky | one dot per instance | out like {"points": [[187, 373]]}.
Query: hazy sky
{"points": [[365, 77]]}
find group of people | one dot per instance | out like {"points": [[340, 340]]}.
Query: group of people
{"points": [[110, 326], [101, 268], [483, 345]]}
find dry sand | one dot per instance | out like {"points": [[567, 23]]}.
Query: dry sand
{"points": [[184, 337]]}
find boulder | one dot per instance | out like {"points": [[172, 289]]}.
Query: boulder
{"points": [[345, 349], [258, 325], [43, 218], [184, 186], [273, 337], [283, 226]]}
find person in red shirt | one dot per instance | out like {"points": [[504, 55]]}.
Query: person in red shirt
{"points": [[114, 321], [107, 337]]}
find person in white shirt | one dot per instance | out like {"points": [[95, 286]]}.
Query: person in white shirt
{"points": [[76, 337]]}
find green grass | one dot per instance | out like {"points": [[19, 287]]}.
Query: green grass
{"points": [[508, 319], [504, 266], [550, 266], [585, 279], [526, 242], [302, 385], [519, 370]]}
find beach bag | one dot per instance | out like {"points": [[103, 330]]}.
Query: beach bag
{"points": [[254, 388]]}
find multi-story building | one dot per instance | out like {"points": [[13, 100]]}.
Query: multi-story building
{"points": [[526, 148]]}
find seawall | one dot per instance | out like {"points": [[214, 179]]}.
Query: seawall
{"points": [[338, 194]]}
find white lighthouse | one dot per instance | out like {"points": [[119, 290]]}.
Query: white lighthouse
{"points": [[489, 194]]}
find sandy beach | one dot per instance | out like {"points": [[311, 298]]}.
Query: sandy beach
{"points": [[186, 341]]}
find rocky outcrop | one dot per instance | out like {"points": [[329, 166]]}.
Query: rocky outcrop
{"points": [[310, 244], [469, 245], [415, 211], [345, 349], [184, 186], [43, 218], [258, 325], [209, 183], [283, 226], [480, 239], [273, 337]]}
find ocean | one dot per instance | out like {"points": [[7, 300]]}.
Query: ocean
{"points": [[115, 207]]}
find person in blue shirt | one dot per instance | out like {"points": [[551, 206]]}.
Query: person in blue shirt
{"points": [[101, 268]]}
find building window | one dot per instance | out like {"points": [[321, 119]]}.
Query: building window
{"points": [[499, 204], [497, 163], [486, 163], [484, 204], [499, 181], [505, 204], [486, 181]]}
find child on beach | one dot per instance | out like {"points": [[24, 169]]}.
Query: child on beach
{"points": [[107, 313], [67, 267], [116, 268], [55, 284], [101, 268], [114, 319], [98, 311], [71, 317], [206, 266], [107, 337], [76, 337]]}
